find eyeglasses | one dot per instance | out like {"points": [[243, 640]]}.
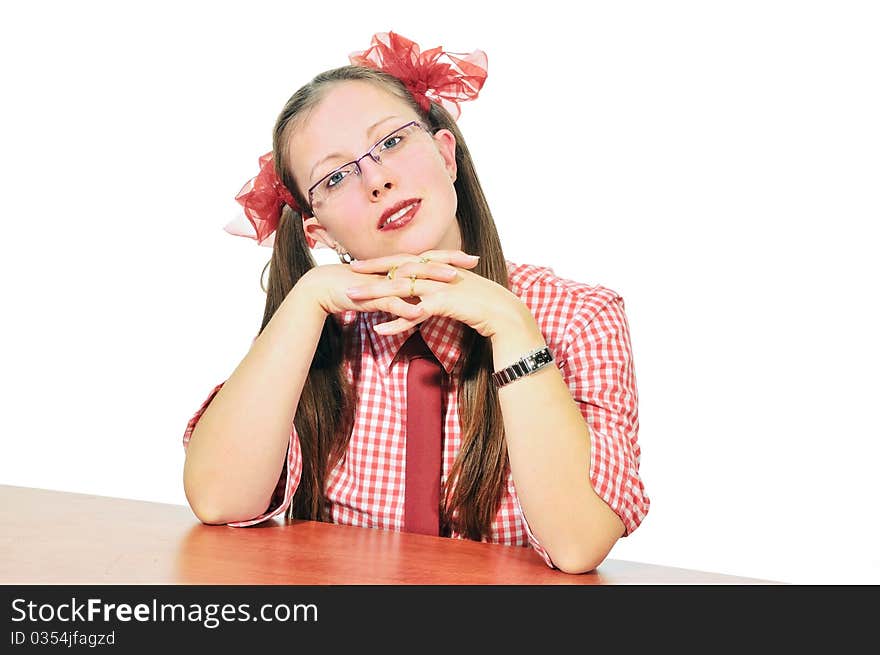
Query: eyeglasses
{"points": [[334, 187]]}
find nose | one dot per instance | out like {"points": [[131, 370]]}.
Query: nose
{"points": [[376, 177]]}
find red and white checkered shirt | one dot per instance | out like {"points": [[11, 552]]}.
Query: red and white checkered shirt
{"points": [[587, 331]]}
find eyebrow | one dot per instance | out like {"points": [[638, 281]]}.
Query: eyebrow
{"points": [[339, 154]]}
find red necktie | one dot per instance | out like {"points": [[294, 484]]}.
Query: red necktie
{"points": [[423, 432]]}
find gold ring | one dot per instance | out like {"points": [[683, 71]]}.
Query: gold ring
{"points": [[412, 285], [424, 260], [390, 273]]}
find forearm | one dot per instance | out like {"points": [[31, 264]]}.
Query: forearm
{"points": [[548, 443], [238, 447]]}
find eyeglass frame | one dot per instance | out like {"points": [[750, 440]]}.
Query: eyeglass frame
{"points": [[357, 162]]}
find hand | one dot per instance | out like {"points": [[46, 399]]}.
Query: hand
{"points": [[327, 284], [444, 287]]}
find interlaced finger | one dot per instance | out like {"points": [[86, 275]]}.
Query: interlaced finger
{"points": [[427, 271], [394, 305], [392, 263]]}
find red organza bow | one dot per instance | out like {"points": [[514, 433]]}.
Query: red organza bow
{"points": [[263, 198], [448, 83]]}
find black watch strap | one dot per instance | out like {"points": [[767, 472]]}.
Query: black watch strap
{"points": [[526, 365]]}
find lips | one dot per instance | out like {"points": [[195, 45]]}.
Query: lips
{"points": [[393, 209]]}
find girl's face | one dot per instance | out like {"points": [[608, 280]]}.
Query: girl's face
{"points": [[350, 119]]}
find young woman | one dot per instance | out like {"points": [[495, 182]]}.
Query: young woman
{"points": [[535, 420]]}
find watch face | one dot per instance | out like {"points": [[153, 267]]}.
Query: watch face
{"points": [[539, 359]]}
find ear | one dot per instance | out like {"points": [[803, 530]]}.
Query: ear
{"points": [[445, 141], [317, 232]]}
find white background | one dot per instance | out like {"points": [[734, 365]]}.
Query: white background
{"points": [[715, 163]]}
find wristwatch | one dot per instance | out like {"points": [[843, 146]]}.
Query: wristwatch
{"points": [[532, 361]]}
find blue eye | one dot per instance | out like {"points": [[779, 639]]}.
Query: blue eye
{"points": [[390, 140], [336, 179]]}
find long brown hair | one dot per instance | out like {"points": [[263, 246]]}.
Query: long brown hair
{"points": [[325, 415]]}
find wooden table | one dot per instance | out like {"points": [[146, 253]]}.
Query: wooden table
{"points": [[53, 537]]}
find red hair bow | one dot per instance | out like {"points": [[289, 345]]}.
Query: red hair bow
{"points": [[424, 74], [263, 198]]}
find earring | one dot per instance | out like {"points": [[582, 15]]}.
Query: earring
{"points": [[344, 256]]}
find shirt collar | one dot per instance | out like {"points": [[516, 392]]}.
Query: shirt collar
{"points": [[443, 336]]}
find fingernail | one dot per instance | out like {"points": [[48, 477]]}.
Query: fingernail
{"points": [[474, 256], [352, 291]]}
